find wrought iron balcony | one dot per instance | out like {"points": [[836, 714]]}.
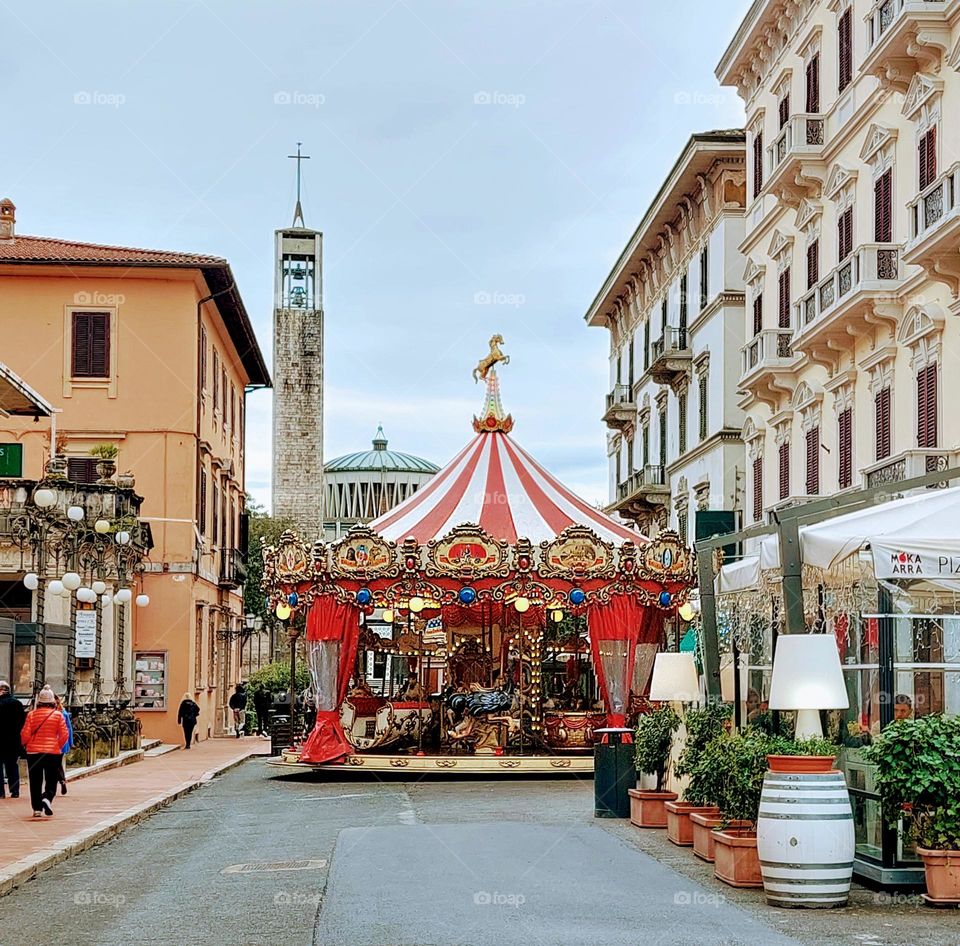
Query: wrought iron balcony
{"points": [[233, 568], [893, 28], [794, 160], [641, 493], [621, 409], [670, 355], [934, 217], [766, 355], [908, 464]]}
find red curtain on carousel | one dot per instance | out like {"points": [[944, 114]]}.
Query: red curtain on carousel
{"points": [[332, 633], [615, 629]]}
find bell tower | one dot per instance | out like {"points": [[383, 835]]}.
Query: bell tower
{"points": [[298, 374]]}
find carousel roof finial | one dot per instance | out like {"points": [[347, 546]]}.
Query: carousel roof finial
{"points": [[492, 418]]}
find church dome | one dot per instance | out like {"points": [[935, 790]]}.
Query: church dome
{"points": [[380, 460]]}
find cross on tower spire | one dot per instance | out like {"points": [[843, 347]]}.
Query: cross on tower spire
{"points": [[298, 210]]}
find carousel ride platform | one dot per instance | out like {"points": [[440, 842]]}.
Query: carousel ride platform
{"points": [[486, 766]]}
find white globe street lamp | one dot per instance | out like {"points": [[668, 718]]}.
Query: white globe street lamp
{"points": [[123, 538], [72, 581], [101, 526], [99, 587], [45, 498], [143, 601], [75, 513], [56, 587], [123, 596], [31, 581]]}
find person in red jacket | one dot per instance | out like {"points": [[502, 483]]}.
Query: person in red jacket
{"points": [[44, 732]]}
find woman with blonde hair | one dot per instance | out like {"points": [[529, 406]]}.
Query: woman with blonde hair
{"points": [[187, 717]]}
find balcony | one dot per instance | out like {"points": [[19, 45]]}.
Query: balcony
{"points": [[766, 358], [621, 409], [670, 355], [795, 159], [857, 294], [935, 229], [905, 37], [642, 493], [233, 568], [908, 464]]}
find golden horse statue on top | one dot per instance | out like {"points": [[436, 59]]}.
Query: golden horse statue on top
{"points": [[485, 364]]}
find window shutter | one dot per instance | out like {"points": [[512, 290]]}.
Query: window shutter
{"points": [[883, 208], [682, 421], [757, 163], [203, 360], [813, 264], [663, 439], [928, 158], [784, 312], [704, 277], [683, 311], [645, 444], [845, 52], [704, 417], [646, 343], [758, 313], [813, 462], [202, 503], [813, 85], [845, 436], [845, 234], [882, 418], [927, 406], [784, 459], [91, 345], [757, 488], [82, 470], [784, 109], [215, 380]]}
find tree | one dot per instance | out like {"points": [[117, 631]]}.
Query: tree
{"points": [[266, 527]]}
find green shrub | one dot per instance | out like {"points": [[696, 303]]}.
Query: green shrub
{"points": [[703, 726], [653, 739], [275, 677]]}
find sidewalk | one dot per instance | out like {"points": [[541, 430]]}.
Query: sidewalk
{"points": [[99, 806]]}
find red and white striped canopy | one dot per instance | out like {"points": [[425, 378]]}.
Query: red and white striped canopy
{"points": [[497, 485]]}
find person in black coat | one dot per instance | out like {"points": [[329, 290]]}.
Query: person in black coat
{"points": [[261, 703], [187, 717], [12, 715], [238, 706]]}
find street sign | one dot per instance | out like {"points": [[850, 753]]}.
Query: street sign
{"points": [[85, 643], [11, 459]]}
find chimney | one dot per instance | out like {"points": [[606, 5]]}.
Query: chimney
{"points": [[8, 217]]}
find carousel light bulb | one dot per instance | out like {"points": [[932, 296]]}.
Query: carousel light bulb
{"points": [[686, 612], [417, 604], [75, 513], [283, 611], [522, 604], [101, 526], [99, 587], [31, 581], [388, 616], [557, 616], [72, 581]]}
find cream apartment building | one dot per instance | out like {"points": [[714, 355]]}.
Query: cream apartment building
{"points": [[673, 305], [852, 233]]}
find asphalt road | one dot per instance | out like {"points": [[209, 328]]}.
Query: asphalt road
{"points": [[256, 860]]}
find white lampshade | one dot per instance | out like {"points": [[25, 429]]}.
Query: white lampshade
{"points": [[31, 581], [101, 526], [75, 513], [45, 498], [143, 601], [56, 587], [86, 595], [807, 677], [72, 581], [123, 596], [122, 538], [106, 600], [99, 587], [674, 679]]}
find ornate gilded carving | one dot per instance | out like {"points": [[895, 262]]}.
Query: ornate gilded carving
{"points": [[288, 562], [362, 554], [577, 553], [666, 559], [467, 552]]}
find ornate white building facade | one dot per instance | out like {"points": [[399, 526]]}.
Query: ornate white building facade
{"points": [[852, 242], [674, 307]]}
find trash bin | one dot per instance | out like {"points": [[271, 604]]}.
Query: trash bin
{"points": [[614, 772]]}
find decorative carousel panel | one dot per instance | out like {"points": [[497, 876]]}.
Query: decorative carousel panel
{"points": [[666, 559], [577, 553], [362, 554], [466, 552], [288, 562]]}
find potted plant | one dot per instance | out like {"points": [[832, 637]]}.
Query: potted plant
{"points": [[702, 727], [918, 778], [652, 742], [106, 454], [126, 480]]}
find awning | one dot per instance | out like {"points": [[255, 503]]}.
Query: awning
{"points": [[18, 398], [739, 575]]}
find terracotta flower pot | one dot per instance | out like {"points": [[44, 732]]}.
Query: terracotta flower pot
{"points": [[942, 870], [703, 822], [736, 861], [799, 764], [679, 825], [648, 809]]}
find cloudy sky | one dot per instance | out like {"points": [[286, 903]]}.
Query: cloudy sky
{"points": [[477, 166]]}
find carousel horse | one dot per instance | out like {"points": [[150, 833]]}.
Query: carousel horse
{"points": [[485, 364], [480, 713]]}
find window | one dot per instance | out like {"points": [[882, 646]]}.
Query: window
{"points": [[82, 470], [928, 158], [663, 316], [783, 312], [704, 414], [845, 234], [757, 488], [783, 109], [757, 163], [646, 344], [233, 410], [215, 526], [683, 311], [757, 313], [663, 438], [813, 264], [813, 85], [630, 377], [813, 461], [682, 422], [682, 525], [203, 361], [927, 406], [216, 383], [629, 464], [645, 444], [845, 49], [150, 681], [223, 391], [198, 650], [618, 467], [704, 277], [619, 367], [881, 407], [212, 623], [784, 462], [91, 345], [883, 208], [845, 440], [202, 502]]}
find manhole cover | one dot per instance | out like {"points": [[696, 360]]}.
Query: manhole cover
{"points": [[267, 866]]}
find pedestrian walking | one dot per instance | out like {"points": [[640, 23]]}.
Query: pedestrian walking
{"points": [[44, 734], [261, 703], [66, 747], [12, 715], [238, 705], [187, 717]]}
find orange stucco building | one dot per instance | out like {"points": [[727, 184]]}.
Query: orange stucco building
{"points": [[154, 353]]}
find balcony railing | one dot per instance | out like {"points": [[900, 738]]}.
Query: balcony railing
{"points": [[934, 205], [871, 267], [768, 350], [637, 483], [621, 408], [802, 136], [233, 568], [885, 14], [669, 354], [908, 464]]}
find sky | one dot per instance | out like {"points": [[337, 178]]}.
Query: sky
{"points": [[476, 167]]}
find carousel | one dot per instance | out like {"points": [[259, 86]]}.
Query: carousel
{"points": [[492, 622]]}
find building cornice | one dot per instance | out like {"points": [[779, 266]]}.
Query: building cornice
{"points": [[723, 436]]}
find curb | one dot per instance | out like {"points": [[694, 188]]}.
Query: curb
{"points": [[105, 765], [27, 868]]}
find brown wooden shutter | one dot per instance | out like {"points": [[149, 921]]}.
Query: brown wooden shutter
{"points": [[813, 264], [758, 313], [813, 85], [845, 51], [203, 360], [927, 406], [928, 158], [783, 110], [784, 309], [704, 276], [704, 425], [882, 419], [757, 163], [813, 461], [91, 345], [845, 437], [845, 234], [784, 459], [883, 208], [202, 503], [82, 470], [682, 422], [215, 380], [757, 488], [683, 311]]}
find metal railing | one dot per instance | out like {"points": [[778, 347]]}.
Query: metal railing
{"points": [[672, 341], [770, 348], [908, 464], [885, 13], [647, 476], [803, 134], [620, 396], [233, 568], [933, 205]]}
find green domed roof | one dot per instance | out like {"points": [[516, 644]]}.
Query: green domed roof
{"points": [[380, 459]]}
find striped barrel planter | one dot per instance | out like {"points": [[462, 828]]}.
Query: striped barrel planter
{"points": [[805, 838]]}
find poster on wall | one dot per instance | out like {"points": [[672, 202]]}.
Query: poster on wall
{"points": [[85, 642]]}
